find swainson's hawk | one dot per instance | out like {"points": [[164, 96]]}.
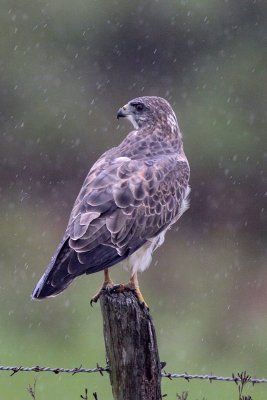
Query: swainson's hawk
{"points": [[130, 198]]}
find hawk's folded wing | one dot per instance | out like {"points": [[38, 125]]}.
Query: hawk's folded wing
{"points": [[121, 205]]}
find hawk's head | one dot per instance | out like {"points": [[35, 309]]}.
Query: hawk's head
{"points": [[149, 111]]}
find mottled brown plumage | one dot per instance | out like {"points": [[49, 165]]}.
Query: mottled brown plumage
{"points": [[131, 196]]}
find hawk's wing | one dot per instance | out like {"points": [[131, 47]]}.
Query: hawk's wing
{"points": [[121, 205]]}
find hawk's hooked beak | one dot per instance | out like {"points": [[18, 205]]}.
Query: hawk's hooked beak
{"points": [[123, 112]]}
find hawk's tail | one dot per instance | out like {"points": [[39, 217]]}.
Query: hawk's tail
{"points": [[56, 278], [66, 265]]}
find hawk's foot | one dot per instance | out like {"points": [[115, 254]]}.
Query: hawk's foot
{"points": [[130, 286], [139, 296], [106, 286]]}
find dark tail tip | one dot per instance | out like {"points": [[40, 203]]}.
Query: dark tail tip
{"points": [[45, 289]]}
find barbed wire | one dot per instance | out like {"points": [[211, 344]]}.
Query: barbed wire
{"points": [[234, 378], [37, 368]]}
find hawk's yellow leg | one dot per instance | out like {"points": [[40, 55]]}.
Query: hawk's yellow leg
{"points": [[133, 285], [107, 284]]}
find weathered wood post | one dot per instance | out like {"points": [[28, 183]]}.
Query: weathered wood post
{"points": [[131, 348]]}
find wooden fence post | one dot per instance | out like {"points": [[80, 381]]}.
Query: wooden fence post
{"points": [[131, 348]]}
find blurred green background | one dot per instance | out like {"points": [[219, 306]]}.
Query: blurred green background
{"points": [[65, 69]]}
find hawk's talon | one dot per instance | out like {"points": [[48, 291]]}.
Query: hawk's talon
{"points": [[137, 292], [95, 298], [109, 288], [107, 285], [91, 302]]}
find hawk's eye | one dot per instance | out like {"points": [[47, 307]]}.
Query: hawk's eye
{"points": [[139, 107]]}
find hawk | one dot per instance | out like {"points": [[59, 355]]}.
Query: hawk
{"points": [[130, 198]]}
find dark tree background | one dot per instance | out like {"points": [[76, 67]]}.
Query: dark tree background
{"points": [[65, 69]]}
